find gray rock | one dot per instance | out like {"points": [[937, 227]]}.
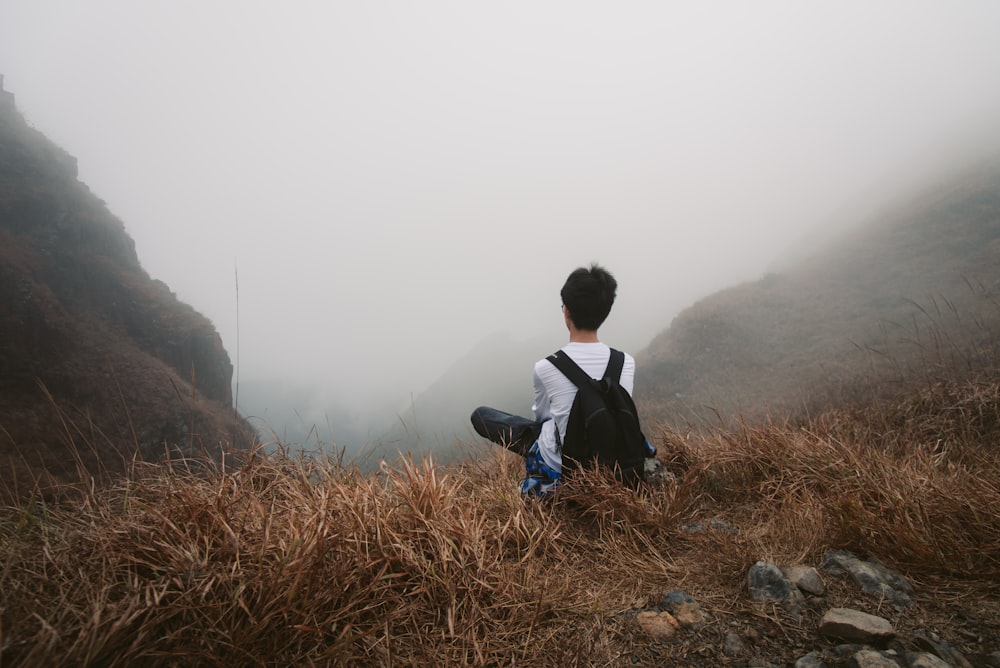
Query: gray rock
{"points": [[993, 660], [869, 658], [846, 650], [952, 656], [805, 578], [873, 577], [926, 660], [675, 598], [684, 608], [766, 583], [854, 625], [930, 643], [810, 660]]}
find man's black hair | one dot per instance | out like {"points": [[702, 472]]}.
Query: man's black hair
{"points": [[589, 294]]}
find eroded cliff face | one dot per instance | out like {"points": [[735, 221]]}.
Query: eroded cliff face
{"points": [[96, 357]]}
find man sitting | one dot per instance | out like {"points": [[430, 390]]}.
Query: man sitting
{"points": [[587, 297]]}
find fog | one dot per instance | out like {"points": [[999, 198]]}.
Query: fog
{"points": [[392, 182]]}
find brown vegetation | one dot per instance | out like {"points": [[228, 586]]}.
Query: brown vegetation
{"points": [[276, 560], [883, 367]]}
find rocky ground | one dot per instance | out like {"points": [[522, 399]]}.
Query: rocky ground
{"points": [[845, 612]]}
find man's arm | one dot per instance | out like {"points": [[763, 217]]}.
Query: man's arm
{"points": [[542, 406], [628, 375]]}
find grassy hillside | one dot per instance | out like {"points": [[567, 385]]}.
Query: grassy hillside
{"points": [[870, 384], [281, 561], [914, 294], [278, 560]]}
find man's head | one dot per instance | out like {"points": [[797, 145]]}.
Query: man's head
{"points": [[588, 295]]}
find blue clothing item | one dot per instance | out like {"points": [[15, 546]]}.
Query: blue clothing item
{"points": [[650, 450], [541, 480]]}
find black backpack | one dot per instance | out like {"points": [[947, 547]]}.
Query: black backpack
{"points": [[603, 423]]}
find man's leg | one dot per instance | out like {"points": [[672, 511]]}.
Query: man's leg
{"points": [[513, 432], [520, 435]]}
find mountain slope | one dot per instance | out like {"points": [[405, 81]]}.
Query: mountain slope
{"points": [[875, 311], [97, 360]]}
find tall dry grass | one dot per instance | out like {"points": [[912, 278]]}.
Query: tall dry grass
{"points": [[302, 561], [915, 484], [283, 560]]}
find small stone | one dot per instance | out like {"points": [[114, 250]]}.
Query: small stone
{"points": [[685, 609], [675, 598], [732, 646], [952, 656], [925, 660], [993, 659], [845, 650], [805, 578], [873, 577], [657, 624], [931, 643], [869, 658], [766, 583], [854, 625], [810, 660]]}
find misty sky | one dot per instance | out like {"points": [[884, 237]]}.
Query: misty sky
{"points": [[397, 180]]}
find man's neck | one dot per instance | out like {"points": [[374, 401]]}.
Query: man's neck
{"points": [[583, 335]]}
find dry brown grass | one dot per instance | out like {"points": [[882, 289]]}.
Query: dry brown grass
{"points": [[279, 560], [925, 498], [298, 561]]}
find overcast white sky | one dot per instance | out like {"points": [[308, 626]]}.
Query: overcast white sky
{"points": [[396, 180]]}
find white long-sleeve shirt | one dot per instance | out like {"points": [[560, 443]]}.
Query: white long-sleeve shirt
{"points": [[554, 393]]}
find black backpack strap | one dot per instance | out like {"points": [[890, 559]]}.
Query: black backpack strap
{"points": [[616, 363], [579, 377], [569, 368]]}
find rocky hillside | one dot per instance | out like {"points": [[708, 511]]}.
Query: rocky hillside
{"points": [[99, 363], [911, 297]]}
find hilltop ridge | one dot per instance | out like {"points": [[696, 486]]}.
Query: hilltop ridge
{"points": [[913, 292], [96, 357]]}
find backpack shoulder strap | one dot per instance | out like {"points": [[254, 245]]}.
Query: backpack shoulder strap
{"points": [[616, 363], [569, 368], [578, 376]]}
